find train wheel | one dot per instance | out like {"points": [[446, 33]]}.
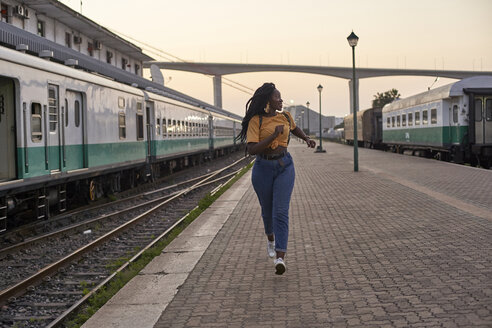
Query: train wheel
{"points": [[92, 190]]}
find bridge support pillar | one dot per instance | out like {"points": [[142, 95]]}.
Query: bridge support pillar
{"points": [[351, 89], [218, 91]]}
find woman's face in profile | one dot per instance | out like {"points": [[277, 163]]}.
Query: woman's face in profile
{"points": [[276, 100]]}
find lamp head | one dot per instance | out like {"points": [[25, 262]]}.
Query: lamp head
{"points": [[320, 88], [307, 104], [352, 39]]}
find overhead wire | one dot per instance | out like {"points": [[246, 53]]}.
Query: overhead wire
{"points": [[164, 54]]}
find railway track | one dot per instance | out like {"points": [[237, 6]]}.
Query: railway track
{"points": [[70, 263]]}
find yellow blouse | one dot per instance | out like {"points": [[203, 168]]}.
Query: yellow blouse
{"points": [[256, 133]]}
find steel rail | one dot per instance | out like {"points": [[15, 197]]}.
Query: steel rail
{"points": [[22, 286]]}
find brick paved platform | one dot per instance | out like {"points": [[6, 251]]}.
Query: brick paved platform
{"points": [[405, 242]]}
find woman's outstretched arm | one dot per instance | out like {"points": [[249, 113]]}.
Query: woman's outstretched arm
{"points": [[299, 133]]}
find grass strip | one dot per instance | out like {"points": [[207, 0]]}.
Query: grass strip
{"points": [[105, 293]]}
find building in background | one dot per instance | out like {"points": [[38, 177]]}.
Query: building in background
{"points": [[53, 21], [300, 115]]}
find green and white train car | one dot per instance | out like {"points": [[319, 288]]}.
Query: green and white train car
{"points": [[65, 132], [452, 122]]}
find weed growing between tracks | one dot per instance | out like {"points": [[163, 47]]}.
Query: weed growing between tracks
{"points": [[95, 302]]}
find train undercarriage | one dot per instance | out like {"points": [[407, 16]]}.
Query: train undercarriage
{"points": [[40, 201]]}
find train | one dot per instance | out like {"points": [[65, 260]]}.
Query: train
{"points": [[67, 134], [369, 128], [452, 123]]}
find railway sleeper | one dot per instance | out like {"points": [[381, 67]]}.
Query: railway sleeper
{"points": [[28, 318], [89, 274], [44, 304], [59, 293], [79, 283]]}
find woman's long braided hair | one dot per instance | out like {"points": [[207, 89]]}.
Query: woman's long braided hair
{"points": [[256, 106]]}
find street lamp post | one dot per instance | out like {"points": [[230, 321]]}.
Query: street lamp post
{"points": [[320, 147], [307, 105], [302, 119], [352, 40]]}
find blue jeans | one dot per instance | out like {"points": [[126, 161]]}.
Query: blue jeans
{"points": [[273, 181]]}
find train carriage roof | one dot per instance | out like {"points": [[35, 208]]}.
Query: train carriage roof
{"points": [[447, 91]]}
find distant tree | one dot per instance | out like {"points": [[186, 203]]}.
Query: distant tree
{"points": [[340, 126], [381, 99]]}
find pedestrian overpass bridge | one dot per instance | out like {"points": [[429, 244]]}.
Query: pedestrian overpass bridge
{"points": [[217, 70]]}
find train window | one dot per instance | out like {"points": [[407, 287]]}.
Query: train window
{"points": [[139, 106], [124, 62], [174, 128], [187, 129], [76, 111], [66, 112], [433, 116], [425, 119], [404, 120], [158, 127], [121, 102], [164, 129], [398, 120], [122, 125], [478, 110], [488, 109], [388, 122], [169, 128], [392, 121], [410, 119], [455, 114], [36, 132], [53, 107], [417, 118], [140, 126]]}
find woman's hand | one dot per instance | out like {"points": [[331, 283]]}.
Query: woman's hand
{"points": [[310, 143], [279, 129]]}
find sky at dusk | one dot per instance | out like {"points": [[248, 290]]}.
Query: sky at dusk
{"points": [[436, 34]]}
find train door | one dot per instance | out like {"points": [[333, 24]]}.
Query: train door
{"points": [[483, 119], [74, 130], [7, 130], [53, 145], [150, 135], [453, 121]]}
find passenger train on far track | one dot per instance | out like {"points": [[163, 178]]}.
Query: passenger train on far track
{"points": [[67, 134], [452, 122]]}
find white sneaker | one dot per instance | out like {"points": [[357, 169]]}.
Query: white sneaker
{"points": [[271, 248], [279, 266]]}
